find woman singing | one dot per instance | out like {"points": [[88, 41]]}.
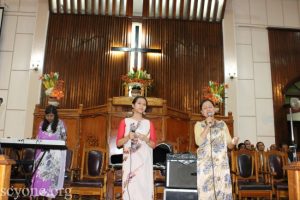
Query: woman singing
{"points": [[213, 138], [137, 136]]}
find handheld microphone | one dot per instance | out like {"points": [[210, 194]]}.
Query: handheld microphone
{"points": [[133, 129], [210, 114]]}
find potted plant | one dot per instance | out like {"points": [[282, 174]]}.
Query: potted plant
{"points": [[137, 79], [215, 92], [54, 87], [136, 90]]}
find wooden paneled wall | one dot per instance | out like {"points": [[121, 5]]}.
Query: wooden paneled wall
{"points": [[285, 68], [192, 54], [78, 46]]}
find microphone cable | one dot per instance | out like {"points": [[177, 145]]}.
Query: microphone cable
{"points": [[212, 163], [133, 128], [130, 165]]}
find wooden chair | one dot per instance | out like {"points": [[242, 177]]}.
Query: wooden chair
{"points": [[159, 184], [114, 179], [118, 184], [22, 171], [298, 156], [68, 168], [23, 168], [275, 160], [246, 179], [92, 181]]}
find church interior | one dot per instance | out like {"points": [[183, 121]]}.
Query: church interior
{"points": [[102, 53]]}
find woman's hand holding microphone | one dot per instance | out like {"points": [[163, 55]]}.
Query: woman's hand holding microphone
{"points": [[210, 120], [135, 136]]}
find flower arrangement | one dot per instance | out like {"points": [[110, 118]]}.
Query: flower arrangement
{"points": [[137, 76], [214, 91], [53, 86]]}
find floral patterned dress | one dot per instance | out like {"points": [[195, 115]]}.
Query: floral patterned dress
{"points": [[49, 176], [213, 174], [137, 179]]}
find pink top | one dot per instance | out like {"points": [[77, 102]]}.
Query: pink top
{"points": [[121, 131]]}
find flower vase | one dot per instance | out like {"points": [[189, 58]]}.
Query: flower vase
{"points": [[134, 89], [53, 101], [136, 92], [49, 91], [217, 108]]}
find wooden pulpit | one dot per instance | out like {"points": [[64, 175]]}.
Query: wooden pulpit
{"points": [[293, 170], [5, 169]]}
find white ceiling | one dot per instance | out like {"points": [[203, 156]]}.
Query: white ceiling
{"points": [[203, 10]]}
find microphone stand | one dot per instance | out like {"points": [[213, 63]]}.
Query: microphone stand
{"points": [[293, 145]]}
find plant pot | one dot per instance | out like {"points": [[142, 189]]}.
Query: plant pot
{"points": [[53, 101], [136, 92], [217, 108], [135, 89], [48, 91]]}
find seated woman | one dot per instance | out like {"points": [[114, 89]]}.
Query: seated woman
{"points": [[49, 169]]}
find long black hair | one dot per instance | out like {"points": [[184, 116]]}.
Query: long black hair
{"points": [[50, 109], [140, 97]]}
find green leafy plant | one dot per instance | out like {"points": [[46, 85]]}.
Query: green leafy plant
{"points": [[214, 91], [137, 76], [54, 87]]}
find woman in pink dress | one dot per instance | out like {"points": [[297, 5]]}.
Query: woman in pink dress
{"points": [[48, 178], [137, 137]]}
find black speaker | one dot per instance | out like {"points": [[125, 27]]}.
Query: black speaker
{"points": [[180, 194], [181, 171]]}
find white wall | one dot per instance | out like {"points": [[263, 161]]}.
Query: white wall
{"points": [[254, 88], [15, 54]]}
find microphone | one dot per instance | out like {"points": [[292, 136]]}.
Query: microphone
{"points": [[210, 114], [133, 128]]}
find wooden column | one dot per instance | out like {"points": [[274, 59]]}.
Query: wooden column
{"points": [[5, 169], [293, 170]]}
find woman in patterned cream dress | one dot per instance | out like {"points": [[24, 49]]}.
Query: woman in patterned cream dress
{"points": [[213, 138], [137, 136]]}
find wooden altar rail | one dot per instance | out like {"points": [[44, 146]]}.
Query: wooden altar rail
{"points": [[293, 170], [98, 126], [5, 170]]}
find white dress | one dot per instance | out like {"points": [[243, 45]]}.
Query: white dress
{"points": [[137, 180]]}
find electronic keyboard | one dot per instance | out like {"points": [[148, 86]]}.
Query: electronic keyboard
{"points": [[32, 143]]}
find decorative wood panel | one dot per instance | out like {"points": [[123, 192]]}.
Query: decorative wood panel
{"points": [[78, 47], [285, 61], [192, 54], [178, 130]]}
